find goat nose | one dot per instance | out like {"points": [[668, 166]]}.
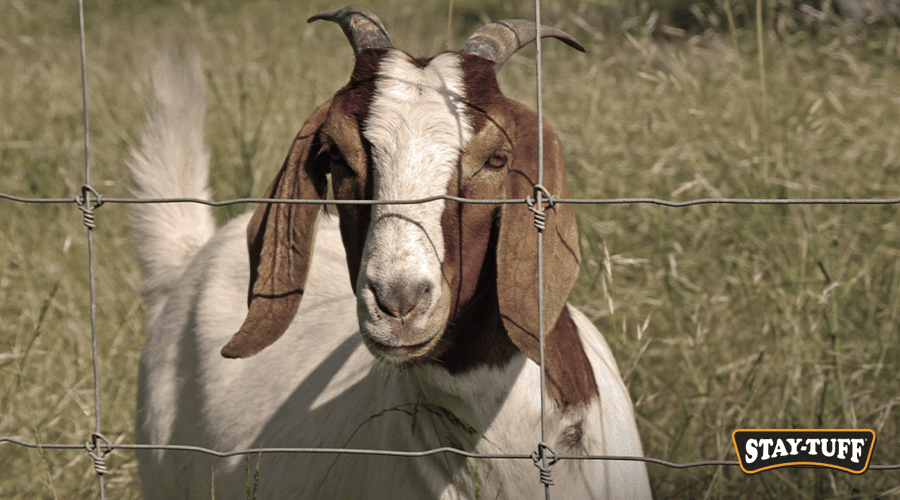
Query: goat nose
{"points": [[401, 299]]}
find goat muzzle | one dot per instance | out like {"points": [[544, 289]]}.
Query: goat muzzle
{"points": [[403, 300], [401, 323]]}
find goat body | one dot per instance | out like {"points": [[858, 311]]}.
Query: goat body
{"points": [[433, 344]]}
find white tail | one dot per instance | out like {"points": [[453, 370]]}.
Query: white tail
{"points": [[171, 161]]}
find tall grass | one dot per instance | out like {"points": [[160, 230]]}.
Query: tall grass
{"points": [[729, 317], [721, 317]]}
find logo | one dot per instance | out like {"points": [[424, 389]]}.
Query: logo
{"points": [[845, 449]]}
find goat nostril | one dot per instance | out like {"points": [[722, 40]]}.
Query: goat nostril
{"points": [[400, 300]]}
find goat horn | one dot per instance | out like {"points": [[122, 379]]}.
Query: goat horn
{"points": [[499, 40], [362, 27]]}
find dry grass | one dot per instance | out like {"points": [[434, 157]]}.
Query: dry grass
{"points": [[730, 317], [721, 317]]}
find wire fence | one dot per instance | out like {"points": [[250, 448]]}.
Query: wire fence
{"points": [[98, 447]]}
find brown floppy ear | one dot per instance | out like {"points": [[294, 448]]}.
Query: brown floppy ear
{"points": [[280, 239], [570, 377]]}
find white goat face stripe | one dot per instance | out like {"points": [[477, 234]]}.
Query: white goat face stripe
{"points": [[417, 128]]}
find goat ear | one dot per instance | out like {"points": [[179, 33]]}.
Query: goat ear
{"points": [[517, 256], [280, 240]]}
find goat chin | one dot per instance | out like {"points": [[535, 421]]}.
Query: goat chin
{"points": [[447, 352]]}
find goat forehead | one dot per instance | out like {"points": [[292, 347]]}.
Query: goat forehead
{"points": [[417, 125]]}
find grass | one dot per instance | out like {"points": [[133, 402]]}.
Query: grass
{"points": [[721, 316]]}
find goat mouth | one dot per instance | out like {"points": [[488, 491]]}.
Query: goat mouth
{"points": [[400, 356]]}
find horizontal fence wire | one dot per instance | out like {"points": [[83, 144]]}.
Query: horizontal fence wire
{"points": [[388, 453], [513, 201]]}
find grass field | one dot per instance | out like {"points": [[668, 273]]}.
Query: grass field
{"points": [[720, 316]]}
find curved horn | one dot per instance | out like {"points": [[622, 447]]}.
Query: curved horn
{"points": [[499, 40], [362, 27]]}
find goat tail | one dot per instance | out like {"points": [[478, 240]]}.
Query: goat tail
{"points": [[171, 161]]}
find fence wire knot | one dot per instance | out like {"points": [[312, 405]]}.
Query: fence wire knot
{"points": [[540, 217], [538, 458], [99, 455], [88, 209]]}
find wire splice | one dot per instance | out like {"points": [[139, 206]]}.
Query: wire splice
{"points": [[540, 216], [538, 458], [94, 450], [87, 208]]}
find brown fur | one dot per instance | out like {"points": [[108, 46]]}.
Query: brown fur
{"points": [[280, 239]]}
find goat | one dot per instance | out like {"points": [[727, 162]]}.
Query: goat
{"points": [[442, 349]]}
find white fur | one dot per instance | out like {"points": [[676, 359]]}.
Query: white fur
{"points": [[172, 162], [417, 127], [320, 387]]}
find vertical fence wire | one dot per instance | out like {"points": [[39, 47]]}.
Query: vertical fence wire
{"points": [[542, 448], [85, 203]]}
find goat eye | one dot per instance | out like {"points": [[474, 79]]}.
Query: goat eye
{"points": [[498, 159], [334, 154], [337, 163]]}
